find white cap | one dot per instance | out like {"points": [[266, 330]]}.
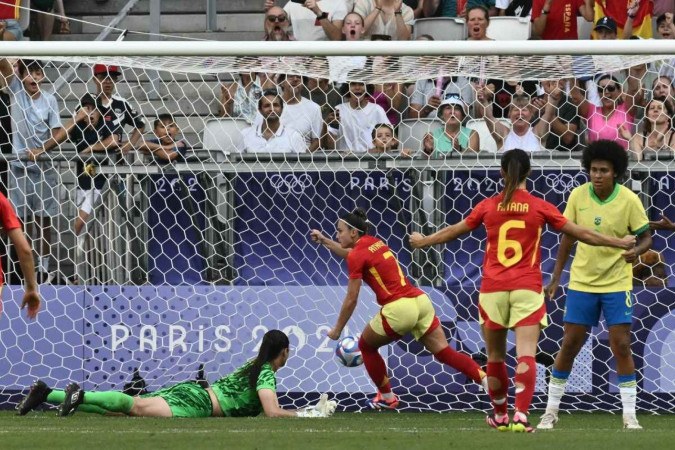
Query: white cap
{"points": [[455, 99]]}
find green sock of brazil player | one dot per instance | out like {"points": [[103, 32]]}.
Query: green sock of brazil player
{"points": [[98, 402]]}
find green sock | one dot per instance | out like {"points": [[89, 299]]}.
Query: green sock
{"points": [[110, 401], [56, 396]]}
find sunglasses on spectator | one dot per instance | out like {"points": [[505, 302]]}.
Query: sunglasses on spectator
{"points": [[608, 88], [276, 19], [103, 76]]}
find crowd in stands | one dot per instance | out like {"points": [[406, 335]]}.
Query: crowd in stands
{"points": [[632, 106]]}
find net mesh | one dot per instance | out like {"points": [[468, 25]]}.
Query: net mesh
{"points": [[191, 248]]}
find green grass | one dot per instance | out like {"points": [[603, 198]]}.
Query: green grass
{"points": [[371, 431]]}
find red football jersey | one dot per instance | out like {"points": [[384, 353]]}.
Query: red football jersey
{"points": [[512, 257], [561, 21], [373, 261], [9, 222]]}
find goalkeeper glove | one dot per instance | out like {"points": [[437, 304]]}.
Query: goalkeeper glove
{"points": [[324, 408]]}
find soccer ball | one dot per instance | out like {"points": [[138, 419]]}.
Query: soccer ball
{"points": [[348, 353]]}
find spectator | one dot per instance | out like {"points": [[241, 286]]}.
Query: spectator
{"points": [[32, 184], [522, 134], [556, 19], [616, 110], [605, 29], [354, 120], [341, 66], [386, 17], [10, 29], [322, 92], [417, 6], [502, 91], [456, 8], [276, 25], [353, 27], [108, 142], [514, 8], [662, 87], [240, 98], [384, 140], [426, 94], [477, 21], [665, 26], [454, 136], [316, 20], [658, 134], [165, 147], [564, 129], [270, 135], [392, 100], [45, 18], [300, 113]]}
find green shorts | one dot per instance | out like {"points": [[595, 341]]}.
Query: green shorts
{"points": [[186, 399]]}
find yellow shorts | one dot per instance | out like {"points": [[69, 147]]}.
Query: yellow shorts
{"points": [[414, 315], [511, 309]]}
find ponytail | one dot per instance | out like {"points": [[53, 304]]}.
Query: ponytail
{"points": [[516, 166], [357, 220], [273, 343]]}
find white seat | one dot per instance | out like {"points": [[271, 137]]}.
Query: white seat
{"points": [[411, 132], [584, 28], [487, 143], [224, 135], [509, 28], [441, 28]]}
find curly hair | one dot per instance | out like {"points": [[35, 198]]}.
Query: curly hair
{"points": [[607, 151]]}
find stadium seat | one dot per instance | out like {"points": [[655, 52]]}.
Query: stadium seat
{"points": [[441, 28], [584, 28], [509, 28], [412, 131], [487, 143], [224, 135]]}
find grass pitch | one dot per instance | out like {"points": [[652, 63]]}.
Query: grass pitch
{"points": [[372, 430]]}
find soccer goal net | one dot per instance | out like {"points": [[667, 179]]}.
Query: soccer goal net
{"points": [[171, 227]]}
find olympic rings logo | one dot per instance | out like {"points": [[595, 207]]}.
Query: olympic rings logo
{"points": [[564, 182], [286, 184]]}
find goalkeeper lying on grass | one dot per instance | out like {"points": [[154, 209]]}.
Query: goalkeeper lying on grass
{"points": [[250, 390]]}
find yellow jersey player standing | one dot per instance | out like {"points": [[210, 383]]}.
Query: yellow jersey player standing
{"points": [[601, 278]]}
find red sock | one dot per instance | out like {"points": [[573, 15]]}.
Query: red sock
{"points": [[526, 377], [461, 362], [375, 366], [498, 396]]}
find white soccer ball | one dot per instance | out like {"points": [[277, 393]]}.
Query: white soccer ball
{"points": [[348, 353]]}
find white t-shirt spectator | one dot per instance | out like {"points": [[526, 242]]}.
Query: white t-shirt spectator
{"points": [[32, 118], [305, 118], [365, 7], [286, 140], [303, 20], [356, 126]]}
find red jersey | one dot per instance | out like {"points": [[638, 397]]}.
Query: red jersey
{"points": [[9, 9], [372, 261], [9, 222], [561, 22], [512, 257]]}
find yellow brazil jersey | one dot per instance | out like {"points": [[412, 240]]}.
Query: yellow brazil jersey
{"points": [[602, 269]]}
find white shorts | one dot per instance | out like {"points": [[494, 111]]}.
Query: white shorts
{"points": [[87, 199]]}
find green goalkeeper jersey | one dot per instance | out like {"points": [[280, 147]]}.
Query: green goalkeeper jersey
{"points": [[237, 398]]}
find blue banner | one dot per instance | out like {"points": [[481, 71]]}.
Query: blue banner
{"points": [[176, 223], [98, 335], [274, 214]]}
